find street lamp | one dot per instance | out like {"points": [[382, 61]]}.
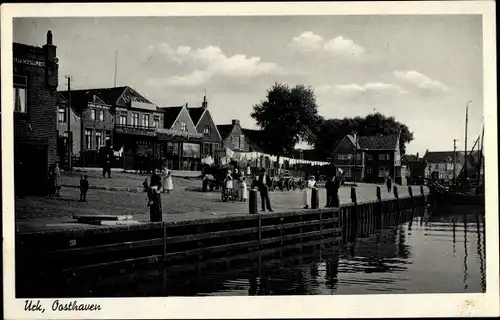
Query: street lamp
{"points": [[70, 142]]}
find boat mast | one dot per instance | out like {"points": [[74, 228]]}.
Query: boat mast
{"points": [[466, 123], [480, 163]]}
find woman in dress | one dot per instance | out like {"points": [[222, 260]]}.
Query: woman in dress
{"points": [[155, 189], [168, 184], [310, 183], [57, 179]]}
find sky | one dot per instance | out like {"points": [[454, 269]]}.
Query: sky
{"points": [[420, 69]]}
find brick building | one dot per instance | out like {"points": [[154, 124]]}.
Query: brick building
{"points": [[35, 114], [369, 158], [204, 123]]}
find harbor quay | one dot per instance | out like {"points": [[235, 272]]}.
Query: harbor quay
{"points": [[185, 202]]}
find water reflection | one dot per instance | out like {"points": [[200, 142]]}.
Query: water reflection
{"points": [[411, 252]]}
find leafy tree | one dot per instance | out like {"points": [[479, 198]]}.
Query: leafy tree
{"points": [[286, 117], [331, 132]]}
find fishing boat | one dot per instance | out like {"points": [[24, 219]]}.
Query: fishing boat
{"points": [[468, 188]]}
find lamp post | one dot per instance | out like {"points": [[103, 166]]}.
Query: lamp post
{"points": [[70, 142], [354, 155]]}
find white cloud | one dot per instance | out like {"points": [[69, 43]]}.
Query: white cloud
{"points": [[343, 46], [311, 42], [420, 80], [213, 62], [354, 89], [308, 41]]}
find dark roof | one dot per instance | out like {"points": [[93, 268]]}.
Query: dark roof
{"points": [[410, 158], [79, 99], [196, 114], [447, 156], [224, 130], [170, 114], [388, 142], [118, 96]]}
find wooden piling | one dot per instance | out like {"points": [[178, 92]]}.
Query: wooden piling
{"points": [[412, 201], [396, 195], [252, 201], [314, 198]]}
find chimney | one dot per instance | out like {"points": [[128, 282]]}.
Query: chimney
{"points": [[49, 37], [186, 104], [235, 122], [417, 156], [205, 103]]}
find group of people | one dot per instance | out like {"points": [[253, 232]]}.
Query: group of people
{"points": [[237, 184], [160, 182], [54, 180], [145, 163]]}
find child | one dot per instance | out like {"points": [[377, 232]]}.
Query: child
{"points": [[167, 181], [84, 187], [243, 189]]}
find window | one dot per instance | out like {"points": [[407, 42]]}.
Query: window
{"points": [[206, 130], [20, 100], [343, 156], [242, 142], [20, 94], [98, 139], [145, 120], [436, 166], [383, 156], [383, 171], [369, 170], [88, 139], [358, 156], [92, 114], [156, 121], [101, 115], [369, 157], [123, 119], [135, 119], [183, 126], [61, 115]]}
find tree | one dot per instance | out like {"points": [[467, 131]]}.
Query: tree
{"points": [[286, 117], [331, 132]]}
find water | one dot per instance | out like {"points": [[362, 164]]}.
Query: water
{"points": [[417, 252]]}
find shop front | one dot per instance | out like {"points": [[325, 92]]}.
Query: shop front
{"points": [[180, 149], [139, 146]]}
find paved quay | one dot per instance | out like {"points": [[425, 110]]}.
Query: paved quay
{"points": [[186, 202]]}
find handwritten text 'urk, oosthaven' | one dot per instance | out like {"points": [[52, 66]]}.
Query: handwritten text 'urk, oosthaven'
{"points": [[30, 305]]}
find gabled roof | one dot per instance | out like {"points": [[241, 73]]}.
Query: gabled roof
{"points": [[447, 156], [196, 113], [256, 140], [118, 96], [410, 158], [225, 130], [170, 114], [388, 142]]}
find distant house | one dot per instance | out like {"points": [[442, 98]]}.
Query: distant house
{"points": [[204, 123], [369, 158], [233, 137], [415, 168], [441, 163]]}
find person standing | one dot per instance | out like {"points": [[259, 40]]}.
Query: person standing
{"points": [[106, 164], [168, 184], [310, 183], [84, 187], [57, 179], [389, 184], [329, 189], [243, 189], [155, 188], [265, 184], [334, 193]]}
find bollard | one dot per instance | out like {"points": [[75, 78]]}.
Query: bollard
{"points": [[396, 195], [252, 201], [354, 199], [314, 198], [379, 194]]}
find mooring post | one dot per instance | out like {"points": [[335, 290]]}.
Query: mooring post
{"points": [[314, 198], [164, 241], [396, 195], [410, 192], [354, 199], [252, 201]]}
